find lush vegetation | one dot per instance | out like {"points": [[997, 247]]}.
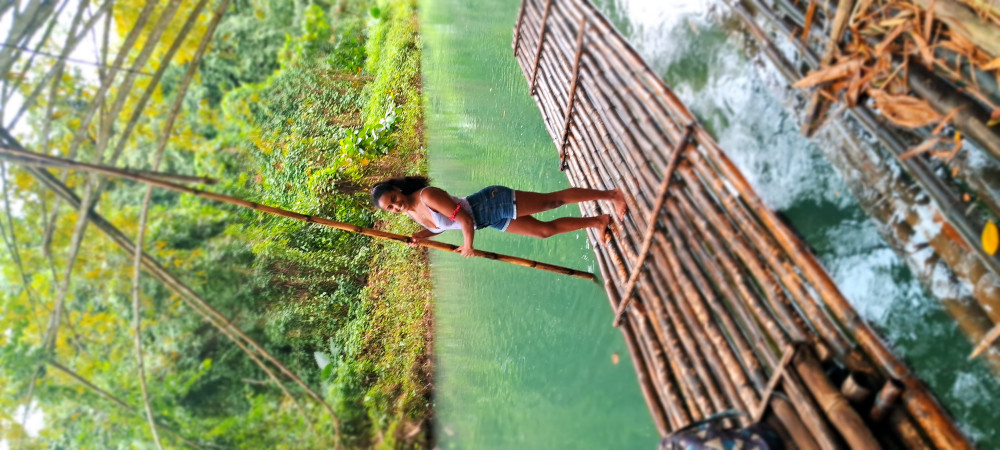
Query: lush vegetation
{"points": [[298, 105]]}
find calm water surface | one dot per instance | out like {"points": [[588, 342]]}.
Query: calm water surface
{"points": [[524, 358]]}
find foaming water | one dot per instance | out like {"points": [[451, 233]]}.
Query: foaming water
{"points": [[524, 358], [708, 70]]}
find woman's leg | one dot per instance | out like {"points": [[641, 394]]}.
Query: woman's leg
{"points": [[529, 203], [530, 226]]}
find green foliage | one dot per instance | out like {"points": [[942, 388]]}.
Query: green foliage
{"points": [[362, 145], [287, 110]]}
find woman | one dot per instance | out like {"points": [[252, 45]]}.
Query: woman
{"points": [[496, 206]]}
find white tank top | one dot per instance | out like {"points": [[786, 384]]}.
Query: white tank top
{"points": [[442, 221]]}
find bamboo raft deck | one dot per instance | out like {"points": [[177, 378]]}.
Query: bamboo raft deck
{"points": [[721, 305]]}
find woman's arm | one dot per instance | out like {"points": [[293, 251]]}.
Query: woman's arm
{"points": [[420, 236], [440, 201]]}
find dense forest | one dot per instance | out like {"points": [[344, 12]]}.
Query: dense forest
{"points": [[253, 330]]}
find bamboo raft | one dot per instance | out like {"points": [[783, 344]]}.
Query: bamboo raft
{"points": [[721, 305], [964, 196]]}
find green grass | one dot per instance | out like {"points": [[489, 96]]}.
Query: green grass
{"points": [[398, 297]]}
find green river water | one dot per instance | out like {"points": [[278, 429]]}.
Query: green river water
{"points": [[525, 358]]}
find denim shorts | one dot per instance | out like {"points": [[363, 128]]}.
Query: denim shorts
{"points": [[494, 207]]}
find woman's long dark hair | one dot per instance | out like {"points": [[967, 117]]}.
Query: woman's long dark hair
{"points": [[407, 185]]}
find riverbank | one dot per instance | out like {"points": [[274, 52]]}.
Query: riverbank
{"points": [[398, 294]]}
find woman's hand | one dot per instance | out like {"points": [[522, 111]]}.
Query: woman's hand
{"points": [[466, 250], [420, 236]]}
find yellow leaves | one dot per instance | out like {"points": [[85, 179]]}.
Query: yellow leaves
{"points": [[904, 110], [991, 240]]}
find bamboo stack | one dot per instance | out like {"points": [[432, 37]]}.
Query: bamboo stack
{"points": [[722, 307], [951, 83]]}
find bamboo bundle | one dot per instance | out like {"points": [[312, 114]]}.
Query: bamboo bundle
{"points": [[720, 287], [971, 262], [928, 62]]}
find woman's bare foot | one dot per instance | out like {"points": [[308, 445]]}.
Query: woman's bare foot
{"points": [[621, 206], [607, 232]]}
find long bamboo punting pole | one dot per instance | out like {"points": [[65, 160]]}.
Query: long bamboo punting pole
{"points": [[41, 159]]}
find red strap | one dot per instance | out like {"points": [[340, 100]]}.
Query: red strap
{"points": [[455, 214]]}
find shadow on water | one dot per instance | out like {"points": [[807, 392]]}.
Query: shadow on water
{"points": [[708, 69]]}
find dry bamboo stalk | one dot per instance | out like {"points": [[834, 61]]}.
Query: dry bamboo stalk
{"points": [[986, 342], [706, 250], [647, 239], [814, 421], [844, 8], [777, 297], [757, 412], [964, 22], [693, 338], [669, 394], [705, 329], [572, 94], [697, 397], [970, 116], [674, 321], [761, 314], [541, 42], [906, 431], [645, 386], [301, 217], [710, 301], [852, 428], [854, 389], [107, 395], [517, 29]]}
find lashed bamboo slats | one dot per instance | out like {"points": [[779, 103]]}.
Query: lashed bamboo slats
{"points": [[953, 87], [722, 290]]}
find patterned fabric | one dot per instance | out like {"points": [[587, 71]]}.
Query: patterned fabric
{"points": [[709, 434]]}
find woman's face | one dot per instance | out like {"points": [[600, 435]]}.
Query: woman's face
{"points": [[393, 201]]}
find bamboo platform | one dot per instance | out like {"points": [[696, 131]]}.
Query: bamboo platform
{"points": [[721, 305]]}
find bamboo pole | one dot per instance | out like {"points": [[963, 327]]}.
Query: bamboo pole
{"points": [[810, 414], [302, 217], [645, 386], [121, 403], [541, 42], [647, 239]]}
